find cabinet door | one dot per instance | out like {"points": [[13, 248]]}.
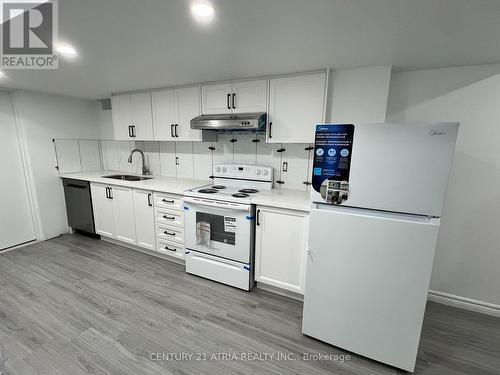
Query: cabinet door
{"points": [[249, 96], [123, 214], [122, 116], [163, 114], [144, 219], [216, 99], [187, 105], [296, 105], [103, 210], [281, 248], [141, 116]]}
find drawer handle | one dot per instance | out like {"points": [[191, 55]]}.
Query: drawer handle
{"points": [[169, 217], [167, 201], [169, 233], [170, 248]]}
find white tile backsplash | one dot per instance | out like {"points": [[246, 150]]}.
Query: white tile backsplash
{"points": [[191, 159]]}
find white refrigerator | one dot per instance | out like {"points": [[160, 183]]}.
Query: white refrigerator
{"points": [[377, 195]]}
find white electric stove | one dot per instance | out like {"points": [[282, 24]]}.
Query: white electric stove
{"points": [[220, 224]]}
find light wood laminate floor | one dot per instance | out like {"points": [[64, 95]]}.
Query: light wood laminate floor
{"points": [[74, 305]]}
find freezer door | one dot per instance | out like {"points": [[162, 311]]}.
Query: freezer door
{"points": [[366, 281], [401, 167]]}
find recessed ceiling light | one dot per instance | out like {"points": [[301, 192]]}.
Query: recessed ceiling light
{"points": [[66, 50], [202, 10]]}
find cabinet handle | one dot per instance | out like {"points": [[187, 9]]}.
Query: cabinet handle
{"points": [[110, 193], [228, 98], [107, 192], [170, 248], [169, 233], [258, 217], [169, 217], [172, 131], [133, 131], [149, 200], [234, 100], [175, 127], [130, 131], [270, 128], [167, 201]]}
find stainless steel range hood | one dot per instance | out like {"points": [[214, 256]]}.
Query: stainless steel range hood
{"points": [[242, 121]]}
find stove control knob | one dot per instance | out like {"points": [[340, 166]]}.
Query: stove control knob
{"points": [[265, 172], [217, 169], [224, 169], [257, 172]]}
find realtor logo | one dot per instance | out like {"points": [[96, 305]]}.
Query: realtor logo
{"points": [[29, 31]]}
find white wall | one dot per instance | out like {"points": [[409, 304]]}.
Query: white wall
{"points": [[358, 95], [43, 117], [468, 252]]}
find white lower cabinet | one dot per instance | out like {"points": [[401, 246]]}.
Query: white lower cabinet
{"points": [[123, 214], [281, 248], [144, 219], [113, 212], [103, 210], [169, 224]]}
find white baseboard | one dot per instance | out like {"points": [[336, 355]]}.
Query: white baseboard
{"points": [[464, 303]]}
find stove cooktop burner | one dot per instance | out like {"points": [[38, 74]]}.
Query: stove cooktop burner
{"points": [[207, 191], [218, 187], [240, 195], [245, 191]]}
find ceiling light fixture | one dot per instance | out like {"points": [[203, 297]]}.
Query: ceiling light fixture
{"points": [[66, 50], [203, 11]]}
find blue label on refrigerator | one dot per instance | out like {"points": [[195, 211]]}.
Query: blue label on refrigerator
{"points": [[332, 153]]}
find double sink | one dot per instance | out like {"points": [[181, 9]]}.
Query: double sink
{"points": [[128, 177]]}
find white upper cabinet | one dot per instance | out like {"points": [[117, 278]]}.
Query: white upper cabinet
{"points": [[216, 99], [296, 105], [122, 116], [249, 96], [173, 110], [163, 114], [234, 97], [132, 116], [187, 107]]}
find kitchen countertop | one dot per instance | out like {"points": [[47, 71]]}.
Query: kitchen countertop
{"points": [[157, 183], [284, 198], [281, 198]]}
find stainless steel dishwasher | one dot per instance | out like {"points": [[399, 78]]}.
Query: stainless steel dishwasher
{"points": [[79, 205]]}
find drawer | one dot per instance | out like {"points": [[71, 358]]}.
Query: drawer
{"points": [[162, 200], [170, 248], [169, 233], [169, 217]]}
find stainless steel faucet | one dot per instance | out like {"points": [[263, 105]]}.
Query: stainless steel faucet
{"points": [[145, 169]]}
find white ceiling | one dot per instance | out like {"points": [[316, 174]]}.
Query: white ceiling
{"points": [[133, 44]]}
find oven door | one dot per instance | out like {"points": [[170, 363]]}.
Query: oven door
{"points": [[218, 228]]}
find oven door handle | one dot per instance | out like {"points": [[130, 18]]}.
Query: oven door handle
{"points": [[217, 204]]}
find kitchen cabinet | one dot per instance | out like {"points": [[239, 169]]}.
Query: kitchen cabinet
{"points": [[144, 219], [114, 212], [103, 210], [132, 116], [234, 97], [169, 224], [296, 105], [173, 110], [281, 248]]}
